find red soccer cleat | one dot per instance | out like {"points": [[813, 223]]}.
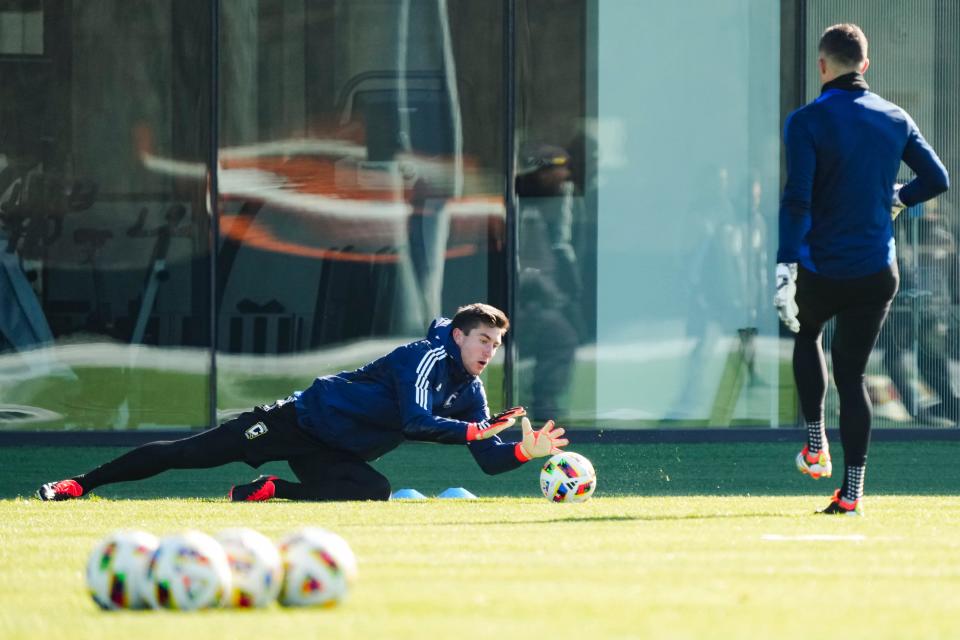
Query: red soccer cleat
{"points": [[62, 490], [257, 491], [839, 506]]}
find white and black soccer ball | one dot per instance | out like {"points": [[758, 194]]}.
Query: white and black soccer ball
{"points": [[189, 571], [255, 567], [568, 477], [319, 568], [117, 569]]}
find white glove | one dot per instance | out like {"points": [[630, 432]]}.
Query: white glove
{"points": [[897, 206], [539, 444], [786, 292]]}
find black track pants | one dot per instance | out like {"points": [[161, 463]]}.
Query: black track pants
{"points": [[205, 450], [330, 475], [860, 306], [267, 433]]}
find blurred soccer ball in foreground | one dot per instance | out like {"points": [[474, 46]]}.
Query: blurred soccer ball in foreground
{"points": [[568, 477], [319, 567], [117, 569], [255, 567], [188, 571]]}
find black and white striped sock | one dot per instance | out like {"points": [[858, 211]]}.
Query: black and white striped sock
{"points": [[816, 436], [853, 483]]}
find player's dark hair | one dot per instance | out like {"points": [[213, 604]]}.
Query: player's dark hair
{"points": [[844, 44], [471, 316]]}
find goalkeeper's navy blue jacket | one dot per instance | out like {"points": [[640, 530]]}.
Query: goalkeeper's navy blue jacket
{"points": [[420, 391], [843, 154]]}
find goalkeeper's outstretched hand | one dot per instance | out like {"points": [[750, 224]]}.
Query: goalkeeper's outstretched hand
{"points": [[539, 444], [496, 424]]}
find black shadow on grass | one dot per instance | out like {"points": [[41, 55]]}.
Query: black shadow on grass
{"points": [[645, 518]]}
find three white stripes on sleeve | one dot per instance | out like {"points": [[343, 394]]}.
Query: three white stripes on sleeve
{"points": [[429, 359]]}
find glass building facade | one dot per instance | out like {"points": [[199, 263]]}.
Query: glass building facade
{"points": [[204, 205]]}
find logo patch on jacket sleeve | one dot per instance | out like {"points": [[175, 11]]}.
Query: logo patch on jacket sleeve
{"points": [[449, 401], [255, 431]]}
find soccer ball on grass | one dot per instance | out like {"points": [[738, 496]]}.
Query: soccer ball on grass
{"points": [[117, 569], [255, 567], [319, 568], [189, 571], [568, 477]]}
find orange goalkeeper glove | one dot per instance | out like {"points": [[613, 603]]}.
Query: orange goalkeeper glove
{"points": [[539, 444], [493, 426]]}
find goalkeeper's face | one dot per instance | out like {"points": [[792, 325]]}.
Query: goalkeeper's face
{"points": [[478, 347]]}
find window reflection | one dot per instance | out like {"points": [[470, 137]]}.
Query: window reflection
{"points": [[359, 198], [549, 296], [919, 340], [686, 192], [104, 258], [21, 27], [556, 214]]}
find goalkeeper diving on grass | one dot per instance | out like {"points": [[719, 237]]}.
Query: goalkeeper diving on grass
{"points": [[428, 390], [837, 256]]}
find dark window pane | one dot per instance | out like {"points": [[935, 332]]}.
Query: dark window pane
{"points": [[104, 223]]}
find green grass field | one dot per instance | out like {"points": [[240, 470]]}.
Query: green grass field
{"points": [[674, 545]]}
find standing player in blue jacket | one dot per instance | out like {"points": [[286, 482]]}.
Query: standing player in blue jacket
{"points": [[426, 390], [837, 256]]}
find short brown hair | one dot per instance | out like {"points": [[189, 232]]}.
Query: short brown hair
{"points": [[844, 44], [470, 316]]}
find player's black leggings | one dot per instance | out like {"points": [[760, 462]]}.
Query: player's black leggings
{"points": [[325, 473], [860, 306]]}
